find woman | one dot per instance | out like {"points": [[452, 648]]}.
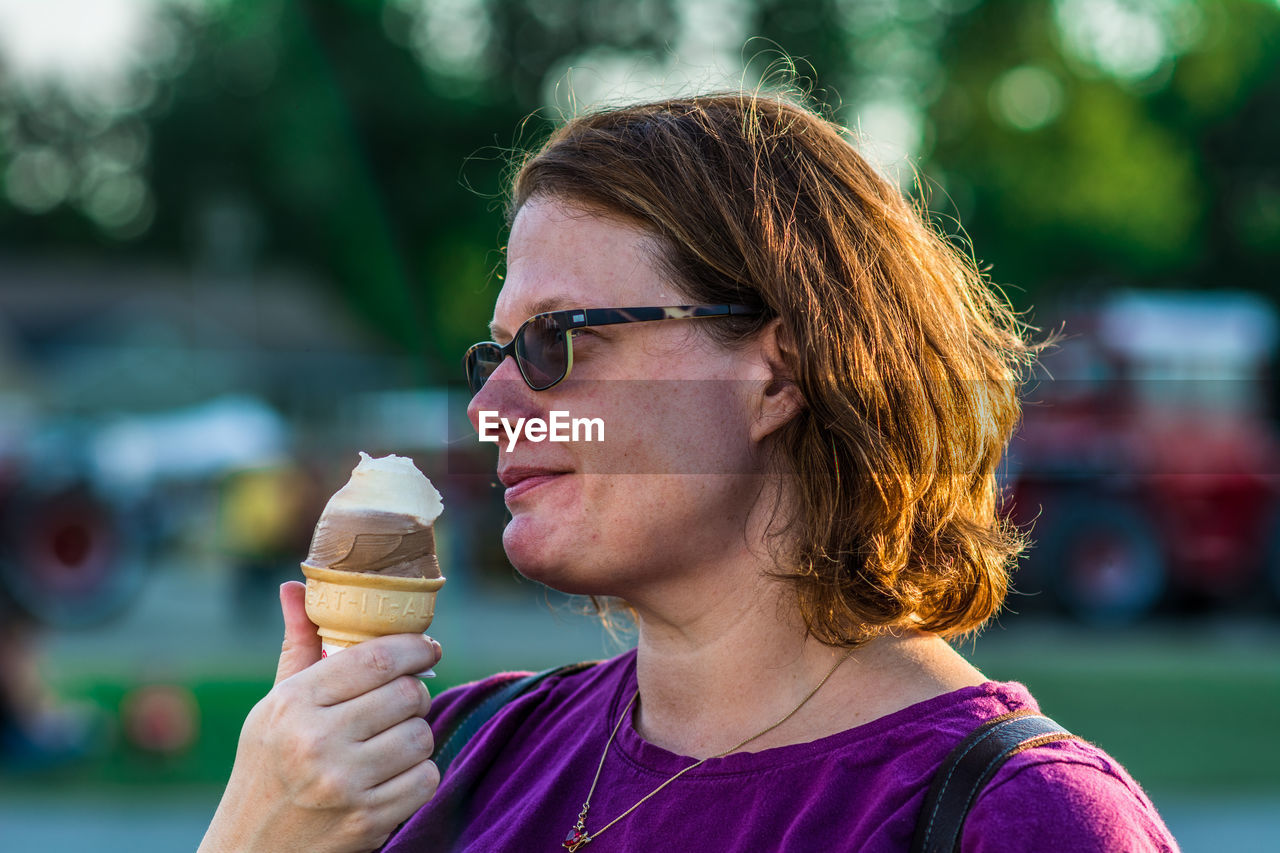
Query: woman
{"points": [[795, 499]]}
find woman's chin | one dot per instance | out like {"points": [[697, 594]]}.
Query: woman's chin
{"points": [[536, 555], [530, 547]]}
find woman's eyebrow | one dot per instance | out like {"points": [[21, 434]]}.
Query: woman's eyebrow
{"points": [[540, 306]]}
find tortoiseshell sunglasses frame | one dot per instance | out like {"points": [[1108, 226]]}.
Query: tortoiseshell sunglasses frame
{"points": [[580, 318]]}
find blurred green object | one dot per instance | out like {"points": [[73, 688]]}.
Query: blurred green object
{"points": [[1201, 731], [122, 763], [1184, 705], [1202, 728]]}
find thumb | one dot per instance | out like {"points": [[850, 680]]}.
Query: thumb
{"points": [[301, 639]]}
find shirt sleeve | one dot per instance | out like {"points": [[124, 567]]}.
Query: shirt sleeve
{"points": [[1070, 797]]}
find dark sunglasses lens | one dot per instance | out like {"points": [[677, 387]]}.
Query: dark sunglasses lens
{"points": [[482, 361], [543, 352]]}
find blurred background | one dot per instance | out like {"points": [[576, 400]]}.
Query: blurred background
{"points": [[240, 241]]}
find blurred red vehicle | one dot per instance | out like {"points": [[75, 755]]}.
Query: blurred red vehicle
{"points": [[68, 554], [1147, 456]]}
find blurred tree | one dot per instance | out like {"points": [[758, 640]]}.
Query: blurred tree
{"points": [[303, 116], [1127, 155], [1126, 141]]}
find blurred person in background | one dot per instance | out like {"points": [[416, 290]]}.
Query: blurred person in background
{"points": [[59, 566], [820, 391], [266, 514], [38, 729]]}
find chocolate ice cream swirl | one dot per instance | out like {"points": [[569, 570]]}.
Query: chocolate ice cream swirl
{"points": [[384, 543]]}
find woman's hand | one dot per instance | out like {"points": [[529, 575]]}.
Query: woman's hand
{"points": [[337, 755]]}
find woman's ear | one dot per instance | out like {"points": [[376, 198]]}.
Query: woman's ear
{"points": [[778, 398]]}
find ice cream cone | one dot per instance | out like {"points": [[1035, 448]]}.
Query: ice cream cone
{"points": [[372, 568], [351, 607]]}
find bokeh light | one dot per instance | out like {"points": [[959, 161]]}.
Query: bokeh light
{"points": [[1027, 97]]}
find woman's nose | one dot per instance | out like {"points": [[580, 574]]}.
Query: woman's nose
{"points": [[505, 392]]}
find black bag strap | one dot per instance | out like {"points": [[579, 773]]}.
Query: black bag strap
{"points": [[451, 740], [969, 768]]}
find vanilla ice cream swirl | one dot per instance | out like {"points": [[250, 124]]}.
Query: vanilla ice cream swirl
{"points": [[380, 522]]}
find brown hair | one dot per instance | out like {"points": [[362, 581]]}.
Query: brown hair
{"points": [[907, 359]]}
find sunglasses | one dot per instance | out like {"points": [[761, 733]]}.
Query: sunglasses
{"points": [[543, 346]]}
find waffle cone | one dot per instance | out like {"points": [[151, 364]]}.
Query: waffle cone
{"points": [[351, 607]]}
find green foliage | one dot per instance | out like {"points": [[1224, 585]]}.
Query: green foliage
{"points": [[356, 142], [1127, 182]]}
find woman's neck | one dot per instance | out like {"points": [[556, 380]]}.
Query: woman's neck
{"points": [[719, 666]]}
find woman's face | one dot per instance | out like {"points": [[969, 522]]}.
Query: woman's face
{"points": [[668, 490]]}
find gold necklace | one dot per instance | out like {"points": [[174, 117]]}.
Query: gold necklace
{"points": [[578, 836]]}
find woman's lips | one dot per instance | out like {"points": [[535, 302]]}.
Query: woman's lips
{"points": [[528, 483]]}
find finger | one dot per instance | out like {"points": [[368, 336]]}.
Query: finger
{"points": [[301, 639], [387, 755], [378, 710], [371, 664], [399, 797]]}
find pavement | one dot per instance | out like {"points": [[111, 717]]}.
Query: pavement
{"points": [[176, 822]]}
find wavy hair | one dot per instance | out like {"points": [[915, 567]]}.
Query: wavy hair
{"points": [[908, 359]]}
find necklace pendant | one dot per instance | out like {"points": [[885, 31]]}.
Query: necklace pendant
{"points": [[575, 839]]}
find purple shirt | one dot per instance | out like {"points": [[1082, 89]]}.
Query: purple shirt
{"points": [[520, 783]]}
